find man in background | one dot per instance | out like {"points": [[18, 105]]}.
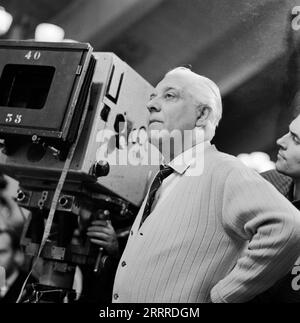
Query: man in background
{"points": [[286, 178]]}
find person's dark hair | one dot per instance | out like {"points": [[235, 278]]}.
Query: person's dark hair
{"points": [[296, 105]]}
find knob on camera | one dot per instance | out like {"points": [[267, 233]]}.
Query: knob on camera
{"points": [[100, 169]]}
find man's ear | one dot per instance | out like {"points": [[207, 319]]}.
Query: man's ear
{"points": [[203, 113]]}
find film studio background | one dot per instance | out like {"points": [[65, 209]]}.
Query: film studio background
{"points": [[248, 47]]}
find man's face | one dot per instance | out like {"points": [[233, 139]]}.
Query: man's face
{"points": [[7, 254], [288, 158], [172, 106]]}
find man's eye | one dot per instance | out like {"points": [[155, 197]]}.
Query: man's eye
{"points": [[169, 95], [295, 139]]}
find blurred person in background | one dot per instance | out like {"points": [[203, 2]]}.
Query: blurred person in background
{"points": [[12, 219]]}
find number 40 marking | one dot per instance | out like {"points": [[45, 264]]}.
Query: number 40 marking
{"points": [[35, 55]]}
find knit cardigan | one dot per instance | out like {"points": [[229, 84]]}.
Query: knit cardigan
{"points": [[224, 236]]}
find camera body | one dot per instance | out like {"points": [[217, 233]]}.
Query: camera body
{"points": [[65, 108], [38, 132]]}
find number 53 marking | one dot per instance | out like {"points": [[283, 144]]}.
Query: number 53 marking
{"points": [[10, 118]]}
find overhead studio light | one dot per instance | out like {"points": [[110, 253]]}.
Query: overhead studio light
{"points": [[49, 32], [5, 21]]}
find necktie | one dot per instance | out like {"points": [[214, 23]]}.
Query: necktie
{"points": [[163, 173]]}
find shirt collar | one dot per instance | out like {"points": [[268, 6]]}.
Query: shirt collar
{"points": [[183, 161]]}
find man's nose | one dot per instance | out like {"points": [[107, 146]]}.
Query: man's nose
{"points": [[282, 141], [153, 105]]}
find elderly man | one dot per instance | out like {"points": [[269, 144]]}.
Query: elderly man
{"points": [[219, 234]]}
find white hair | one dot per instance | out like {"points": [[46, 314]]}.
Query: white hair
{"points": [[207, 93]]}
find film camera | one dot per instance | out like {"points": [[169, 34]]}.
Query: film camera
{"points": [[68, 116]]}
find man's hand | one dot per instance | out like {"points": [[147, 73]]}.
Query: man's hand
{"points": [[102, 233]]}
